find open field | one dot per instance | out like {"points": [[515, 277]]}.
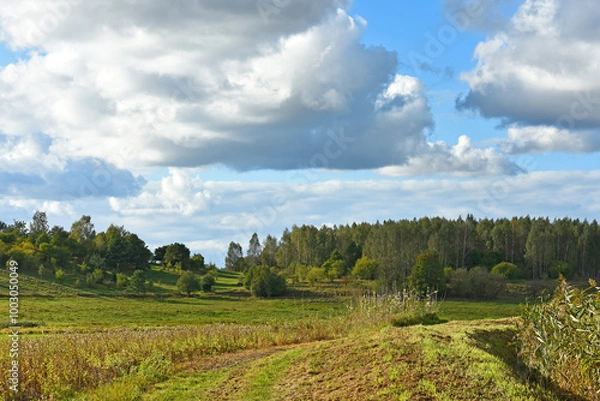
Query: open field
{"points": [[227, 345]]}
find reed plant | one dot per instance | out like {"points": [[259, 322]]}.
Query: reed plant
{"points": [[560, 339]]}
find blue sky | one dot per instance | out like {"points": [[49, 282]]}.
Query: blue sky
{"points": [[203, 122]]}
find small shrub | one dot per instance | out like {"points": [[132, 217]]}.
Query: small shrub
{"points": [[137, 282], [89, 280], [60, 275], [206, 282], [188, 283], [122, 280], [98, 275], [316, 275]]}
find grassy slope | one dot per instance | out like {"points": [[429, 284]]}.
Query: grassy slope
{"points": [[453, 361]]}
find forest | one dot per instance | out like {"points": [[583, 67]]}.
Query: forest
{"points": [[385, 252], [539, 247]]}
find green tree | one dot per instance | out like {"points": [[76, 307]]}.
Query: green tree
{"points": [[262, 281], [207, 282], [137, 282], [254, 250], [267, 257], [177, 254], [159, 253], [428, 272], [188, 283], [335, 266], [82, 231], [365, 268], [197, 263], [559, 268], [38, 225], [234, 261]]}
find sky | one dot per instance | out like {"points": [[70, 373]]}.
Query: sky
{"points": [[204, 121]]}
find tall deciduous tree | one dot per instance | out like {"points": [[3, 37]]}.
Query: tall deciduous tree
{"points": [[39, 225], [234, 260], [254, 250], [82, 231], [428, 272]]}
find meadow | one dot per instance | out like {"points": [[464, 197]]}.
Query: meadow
{"points": [[98, 344]]}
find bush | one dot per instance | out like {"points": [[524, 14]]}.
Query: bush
{"points": [[264, 282], [365, 268], [188, 283], [137, 282], [560, 268], [560, 338], [476, 283], [60, 275], [206, 282], [506, 269], [122, 280], [98, 275], [316, 275]]}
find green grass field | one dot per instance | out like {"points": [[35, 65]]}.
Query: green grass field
{"points": [[228, 345]]}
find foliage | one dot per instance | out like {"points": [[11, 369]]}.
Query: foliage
{"points": [[335, 266], [506, 269], [178, 255], [365, 268], [316, 275], [560, 338], [234, 261], [403, 308], [477, 283], [197, 263], [122, 280], [560, 268], [207, 282], [137, 282], [188, 283], [60, 275], [427, 273], [262, 281]]}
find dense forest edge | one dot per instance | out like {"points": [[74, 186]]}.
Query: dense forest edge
{"points": [[464, 258]]}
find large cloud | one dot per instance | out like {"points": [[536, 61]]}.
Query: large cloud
{"points": [[460, 160], [541, 70], [30, 170], [278, 85]]}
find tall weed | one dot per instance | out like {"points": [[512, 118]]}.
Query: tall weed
{"points": [[560, 338]]}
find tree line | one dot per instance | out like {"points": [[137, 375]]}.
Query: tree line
{"points": [[115, 255], [538, 247]]}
